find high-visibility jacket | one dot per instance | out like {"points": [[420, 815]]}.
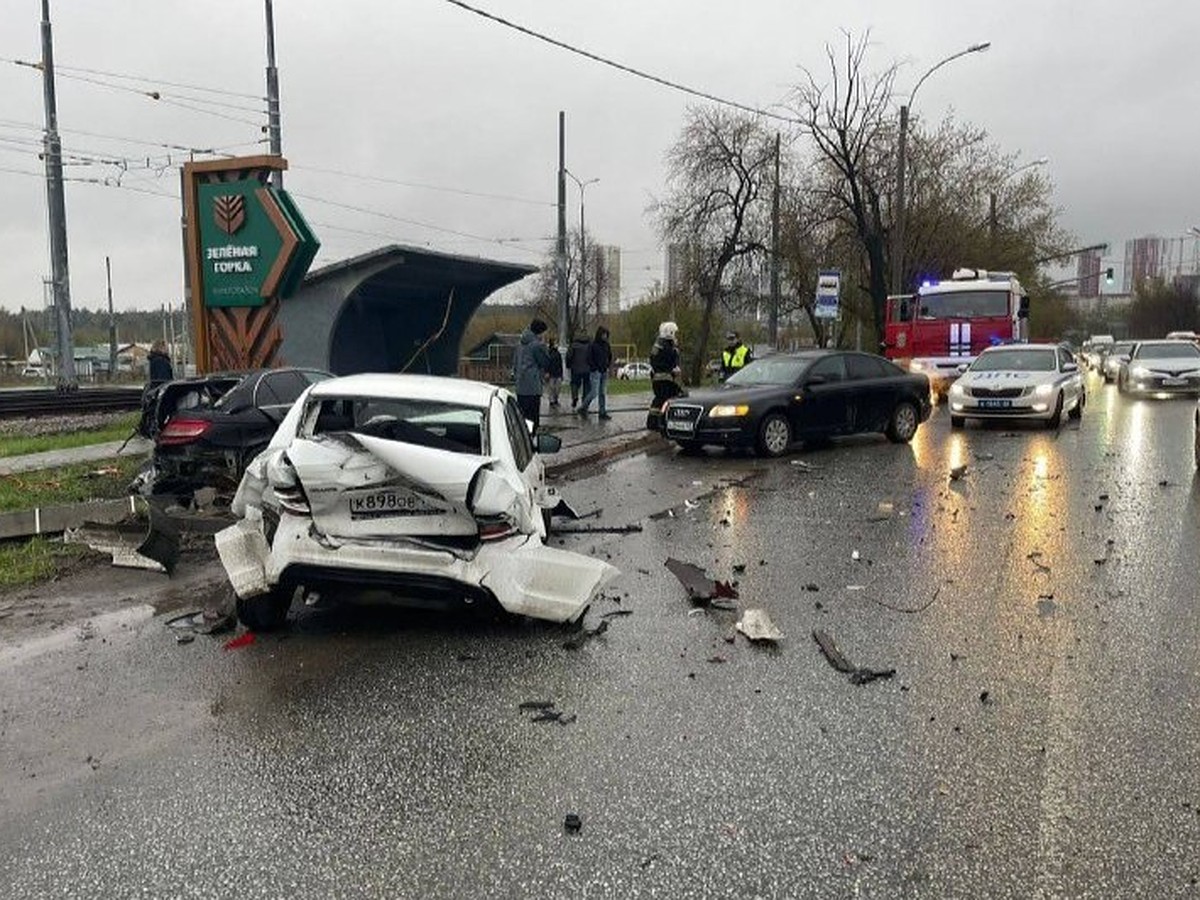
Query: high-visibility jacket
{"points": [[732, 360]]}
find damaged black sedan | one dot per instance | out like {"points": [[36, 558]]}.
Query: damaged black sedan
{"points": [[206, 430], [776, 401]]}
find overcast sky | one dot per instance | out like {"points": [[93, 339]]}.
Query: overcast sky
{"points": [[424, 93]]}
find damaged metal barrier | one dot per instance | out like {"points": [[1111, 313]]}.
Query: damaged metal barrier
{"points": [[147, 538]]}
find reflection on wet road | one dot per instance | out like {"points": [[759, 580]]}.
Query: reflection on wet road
{"points": [[1038, 739]]}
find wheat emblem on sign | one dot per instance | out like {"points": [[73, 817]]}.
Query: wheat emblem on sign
{"points": [[229, 210]]}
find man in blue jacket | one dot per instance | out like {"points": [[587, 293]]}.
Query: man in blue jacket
{"points": [[530, 364]]}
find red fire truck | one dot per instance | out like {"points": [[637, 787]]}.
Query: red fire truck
{"points": [[946, 324]]}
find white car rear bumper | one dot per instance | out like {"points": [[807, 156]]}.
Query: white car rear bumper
{"points": [[526, 577]]}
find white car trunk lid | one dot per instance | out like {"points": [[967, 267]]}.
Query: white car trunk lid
{"points": [[361, 486]]}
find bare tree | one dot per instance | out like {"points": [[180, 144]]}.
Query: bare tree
{"points": [[719, 174], [583, 301], [849, 120]]}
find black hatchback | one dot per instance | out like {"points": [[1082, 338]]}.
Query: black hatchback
{"points": [[776, 401], [207, 429]]}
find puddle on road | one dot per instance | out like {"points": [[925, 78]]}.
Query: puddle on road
{"points": [[100, 626]]}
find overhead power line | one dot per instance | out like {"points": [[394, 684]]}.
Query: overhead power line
{"points": [[630, 70], [428, 187]]}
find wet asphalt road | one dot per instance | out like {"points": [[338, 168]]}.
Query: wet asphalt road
{"points": [[383, 754]]}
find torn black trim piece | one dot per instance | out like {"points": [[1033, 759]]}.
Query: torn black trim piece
{"points": [[858, 675]]}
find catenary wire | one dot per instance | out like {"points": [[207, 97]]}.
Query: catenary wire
{"points": [[595, 57]]}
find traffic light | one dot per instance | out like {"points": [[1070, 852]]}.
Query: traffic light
{"points": [[1108, 275]]}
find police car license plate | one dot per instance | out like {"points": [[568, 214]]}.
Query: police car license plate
{"points": [[995, 404], [377, 504], [1173, 382]]}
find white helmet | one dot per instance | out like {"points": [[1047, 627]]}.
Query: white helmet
{"points": [[668, 330]]}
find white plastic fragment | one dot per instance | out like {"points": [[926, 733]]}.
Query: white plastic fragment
{"points": [[756, 625]]}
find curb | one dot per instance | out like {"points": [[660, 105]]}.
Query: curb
{"points": [[604, 454]]}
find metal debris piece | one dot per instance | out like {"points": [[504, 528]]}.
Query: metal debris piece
{"points": [[857, 675], [700, 588], [572, 823], [185, 637], [600, 529], [536, 704], [145, 539], [612, 614], [958, 472], [574, 643], [883, 512], [756, 625]]}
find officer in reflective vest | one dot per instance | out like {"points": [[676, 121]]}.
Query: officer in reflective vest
{"points": [[735, 355]]}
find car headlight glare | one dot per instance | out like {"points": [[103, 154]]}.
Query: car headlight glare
{"points": [[916, 366], [1043, 390], [1140, 372], [728, 411], [957, 390]]}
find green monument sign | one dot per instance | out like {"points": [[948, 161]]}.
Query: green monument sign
{"points": [[254, 243]]}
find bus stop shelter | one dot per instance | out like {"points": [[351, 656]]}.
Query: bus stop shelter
{"points": [[396, 309]]}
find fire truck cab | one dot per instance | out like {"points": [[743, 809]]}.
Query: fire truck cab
{"points": [[946, 324]]}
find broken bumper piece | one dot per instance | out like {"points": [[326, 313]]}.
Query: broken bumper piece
{"points": [[524, 576]]}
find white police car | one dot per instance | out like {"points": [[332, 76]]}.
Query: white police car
{"points": [[1019, 381]]}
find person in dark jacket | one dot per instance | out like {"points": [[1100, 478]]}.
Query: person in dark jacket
{"points": [[665, 372], [530, 363], [599, 362], [159, 364], [580, 367], [554, 374]]}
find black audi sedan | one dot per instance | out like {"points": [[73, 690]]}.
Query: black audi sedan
{"points": [[776, 401], [207, 429]]}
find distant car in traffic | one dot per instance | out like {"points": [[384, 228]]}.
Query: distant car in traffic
{"points": [[1116, 356], [1019, 381], [411, 490], [206, 430], [1095, 348], [774, 402], [634, 371], [1161, 367]]}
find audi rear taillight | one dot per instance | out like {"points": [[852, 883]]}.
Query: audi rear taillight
{"points": [[183, 431], [493, 528]]}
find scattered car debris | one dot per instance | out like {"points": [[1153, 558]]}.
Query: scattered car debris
{"points": [[206, 621], [245, 639], [600, 529], [584, 635], [1035, 557], [717, 658], [757, 626], [855, 556], [700, 588], [883, 512], [572, 823], [958, 472], [146, 539], [544, 711], [739, 568], [616, 613], [184, 637], [858, 675], [984, 696]]}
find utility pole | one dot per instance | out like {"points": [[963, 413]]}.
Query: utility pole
{"points": [[773, 320], [564, 336], [112, 324], [898, 228], [57, 208], [274, 138]]}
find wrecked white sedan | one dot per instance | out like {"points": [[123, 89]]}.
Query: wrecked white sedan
{"points": [[409, 489]]}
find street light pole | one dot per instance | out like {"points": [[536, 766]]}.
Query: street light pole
{"points": [[582, 185], [993, 224], [901, 167], [274, 137]]}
